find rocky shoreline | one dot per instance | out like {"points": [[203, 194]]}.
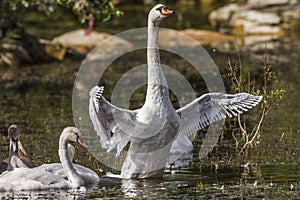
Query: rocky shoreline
{"points": [[254, 25], [258, 22]]}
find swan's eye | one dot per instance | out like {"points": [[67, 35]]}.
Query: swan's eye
{"points": [[164, 10], [161, 8]]}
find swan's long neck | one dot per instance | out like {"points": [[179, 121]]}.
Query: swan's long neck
{"points": [[11, 154], [65, 160], [157, 84]]}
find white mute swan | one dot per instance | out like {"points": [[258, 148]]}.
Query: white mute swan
{"points": [[154, 129], [43, 177], [17, 154]]}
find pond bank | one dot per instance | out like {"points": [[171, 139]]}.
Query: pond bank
{"points": [[23, 50], [256, 26], [256, 22]]}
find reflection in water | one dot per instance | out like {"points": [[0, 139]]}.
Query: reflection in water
{"points": [[237, 183], [49, 194], [130, 188]]}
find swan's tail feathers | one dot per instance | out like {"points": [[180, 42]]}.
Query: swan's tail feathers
{"points": [[98, 117]]}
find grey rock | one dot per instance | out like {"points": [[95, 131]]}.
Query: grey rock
{"points": [[223, 14], [258, 17], [84, 44], [266, 3]]}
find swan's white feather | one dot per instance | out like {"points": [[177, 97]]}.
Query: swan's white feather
{"points": [[31, 179], [108, 119], [89, 176]]}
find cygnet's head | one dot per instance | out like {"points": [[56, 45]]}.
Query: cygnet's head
{"points": [[159, 12], [13, 134], [13, 131], [73, 134]]}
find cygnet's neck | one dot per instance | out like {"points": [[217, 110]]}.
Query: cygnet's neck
{"points": [[10, 155], [65, 160]]}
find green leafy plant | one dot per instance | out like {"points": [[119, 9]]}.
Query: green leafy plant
{"points": [[11, 12], [245, 136], [101, 10]]}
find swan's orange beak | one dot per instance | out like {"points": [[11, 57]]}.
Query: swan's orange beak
{"points": [[79, 140], [165, 11]]}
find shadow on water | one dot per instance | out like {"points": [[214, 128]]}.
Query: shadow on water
{"points": [[39, 100]]}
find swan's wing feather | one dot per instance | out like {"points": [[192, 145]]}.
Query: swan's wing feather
{"points": [[88, 175], [204, 111], [108, 118], [3, 166], [31, 179], [24, 157], [212, 107]]}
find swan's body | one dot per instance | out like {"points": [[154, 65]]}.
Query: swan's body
{"points": [[157, 128], [44, 177], [18, 156], [88, 176]]}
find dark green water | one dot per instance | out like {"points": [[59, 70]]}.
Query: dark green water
{"points": [[39, 100]]}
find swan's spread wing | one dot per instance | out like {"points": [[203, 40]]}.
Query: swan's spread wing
{"points": [[108, 118], [204, 111], [212, 107]]}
